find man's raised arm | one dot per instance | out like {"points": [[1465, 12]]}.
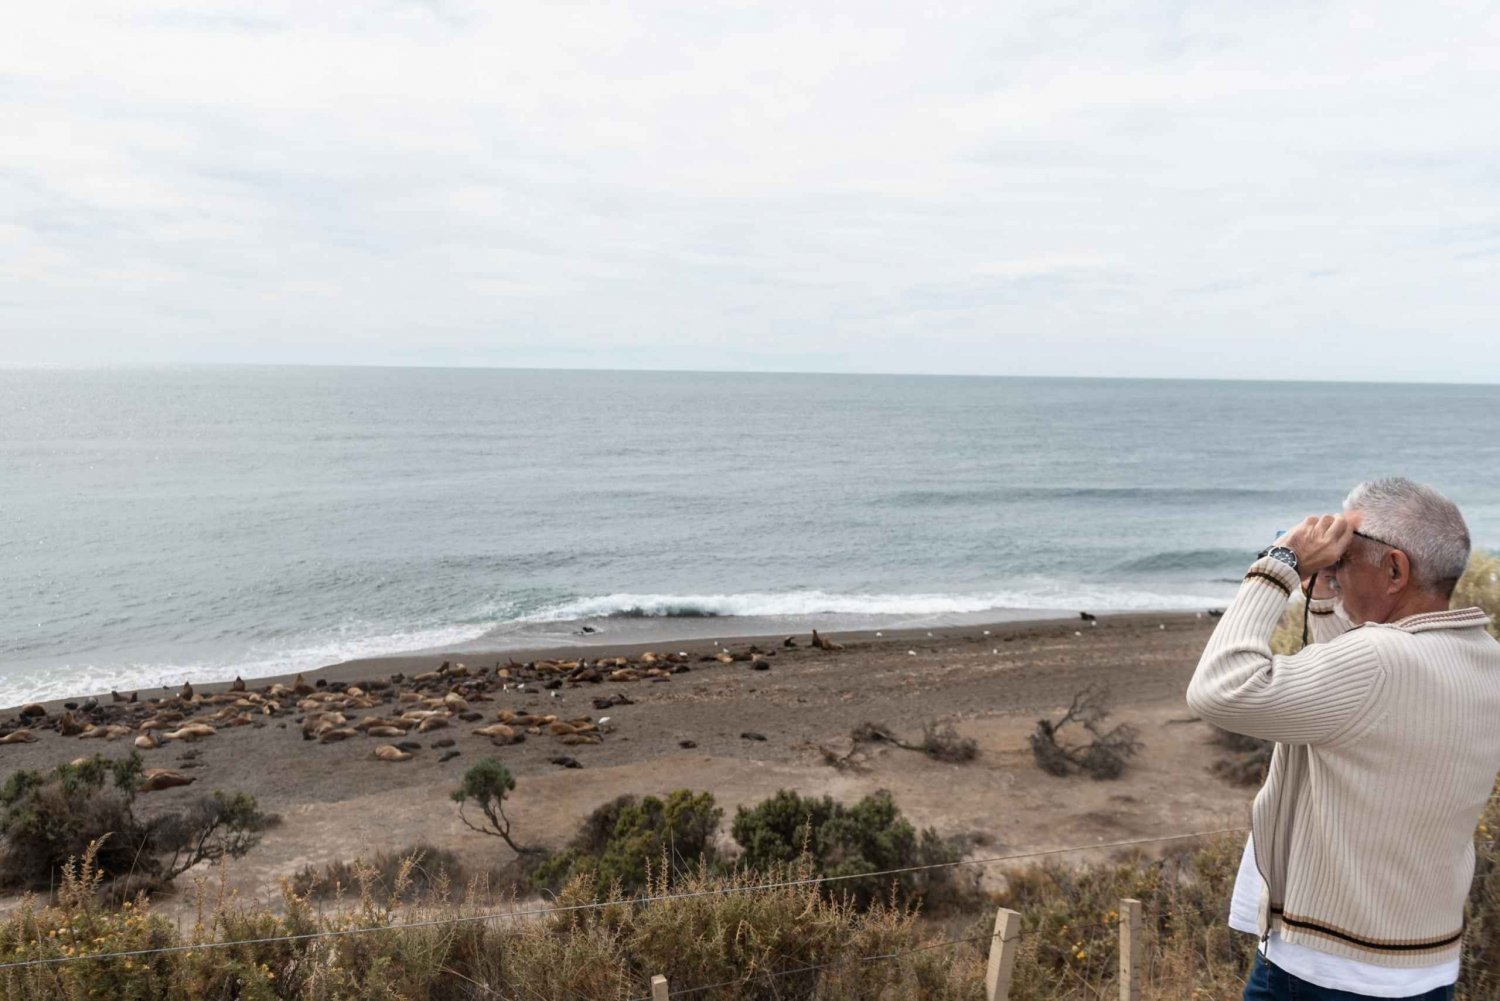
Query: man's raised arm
{"points": [[1316, 696]]}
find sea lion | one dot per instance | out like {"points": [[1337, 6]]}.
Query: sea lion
{"points": [[385, 752], [301, 687], [560, 729], [18, 737], [824, 644], [156, 779], [385, 731], [147, 742], [574, 739], [335, 734], [565, 761], [191, 732], [447, 756], [33, 710], [432, 723], [105, 732], [115, 696], [186, 694], [239, 684], [496, 730], [68, 725], [1085, 616], [455, 702]]}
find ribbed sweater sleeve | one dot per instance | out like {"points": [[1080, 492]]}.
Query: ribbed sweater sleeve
{"points": [[1318, 695], [1322, 624]]}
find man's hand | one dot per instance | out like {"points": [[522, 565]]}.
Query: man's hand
{"points": [[1319, 542]]}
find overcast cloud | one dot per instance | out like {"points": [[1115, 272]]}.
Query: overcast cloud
{"points": [[1272, 190]]}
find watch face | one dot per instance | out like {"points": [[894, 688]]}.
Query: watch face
{"points": [[1283, 554]]}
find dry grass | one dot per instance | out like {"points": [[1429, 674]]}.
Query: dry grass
{"points": [[755, 944]]}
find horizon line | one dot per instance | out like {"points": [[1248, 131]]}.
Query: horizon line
{"points": [[147, 366]]}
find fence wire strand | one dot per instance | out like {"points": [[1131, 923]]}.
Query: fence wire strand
{"points": [[596, 905]]}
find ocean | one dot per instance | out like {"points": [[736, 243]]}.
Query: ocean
{"points": [[203, 522]]}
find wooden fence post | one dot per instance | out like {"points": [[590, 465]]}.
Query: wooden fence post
{"points": [[1131, 950], [1003, 949], [659, 988]]}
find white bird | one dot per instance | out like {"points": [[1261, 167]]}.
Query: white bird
{"points": [[911, 653]]}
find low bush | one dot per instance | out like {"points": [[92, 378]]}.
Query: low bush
{"points": [[46, 820], [841, 841], [412, 873], [621, 843]]}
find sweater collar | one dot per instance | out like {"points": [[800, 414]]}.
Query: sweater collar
{"points": [[1454, 618]]}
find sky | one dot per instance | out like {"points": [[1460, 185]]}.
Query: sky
{"points": [[1173, 189]]}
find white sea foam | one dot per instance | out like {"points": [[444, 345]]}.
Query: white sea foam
{"points": [[808, 603], [74, 680]]}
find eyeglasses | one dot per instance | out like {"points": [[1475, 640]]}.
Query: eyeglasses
{"points": [[1372, 538]]}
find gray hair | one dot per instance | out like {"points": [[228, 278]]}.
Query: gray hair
{"points": [[1420, 522]]}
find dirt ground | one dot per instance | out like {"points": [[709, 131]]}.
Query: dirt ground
{"points": [[336, 801]]}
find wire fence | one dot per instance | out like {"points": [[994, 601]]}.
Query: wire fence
{"points": [[553, 910]]}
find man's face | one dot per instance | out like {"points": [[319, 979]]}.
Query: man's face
{"points": [[1362, 587]]}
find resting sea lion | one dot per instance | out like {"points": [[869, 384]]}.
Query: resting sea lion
{"points": [[18, 737], [156, 779], [385, 752]]}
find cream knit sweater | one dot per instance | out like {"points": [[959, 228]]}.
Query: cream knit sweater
{"points": [[1387, 745]]}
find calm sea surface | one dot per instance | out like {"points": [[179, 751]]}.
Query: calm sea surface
{"points": [[203, 522]]}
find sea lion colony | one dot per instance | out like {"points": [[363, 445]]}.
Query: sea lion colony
{"points": [[400, 706]]}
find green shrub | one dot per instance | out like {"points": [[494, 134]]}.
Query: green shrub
{"points": [[623, 841], [89, 807], [840, 841]]}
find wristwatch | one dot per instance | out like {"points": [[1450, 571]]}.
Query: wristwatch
{"points": [[1282, 553]]}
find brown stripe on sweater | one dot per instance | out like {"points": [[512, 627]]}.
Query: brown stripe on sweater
{"points": [[1387, 945], [1274, 580]]}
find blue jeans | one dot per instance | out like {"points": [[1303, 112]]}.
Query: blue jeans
{"points": [[1269, 982]]}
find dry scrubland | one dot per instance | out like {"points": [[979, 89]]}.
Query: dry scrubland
{"points": [[753, 943]]}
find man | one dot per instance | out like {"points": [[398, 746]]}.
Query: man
{"points": [[1361, 852]]}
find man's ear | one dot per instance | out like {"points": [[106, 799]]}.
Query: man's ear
{"points": [[1397, 569]]}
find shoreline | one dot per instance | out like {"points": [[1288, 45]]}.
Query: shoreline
{"points": [[602, 645], [740, 727]]}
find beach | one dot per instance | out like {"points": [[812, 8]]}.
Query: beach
{"points": [[740, 729]]}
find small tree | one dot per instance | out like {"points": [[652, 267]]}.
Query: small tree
{"points": [[487, 784]]}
